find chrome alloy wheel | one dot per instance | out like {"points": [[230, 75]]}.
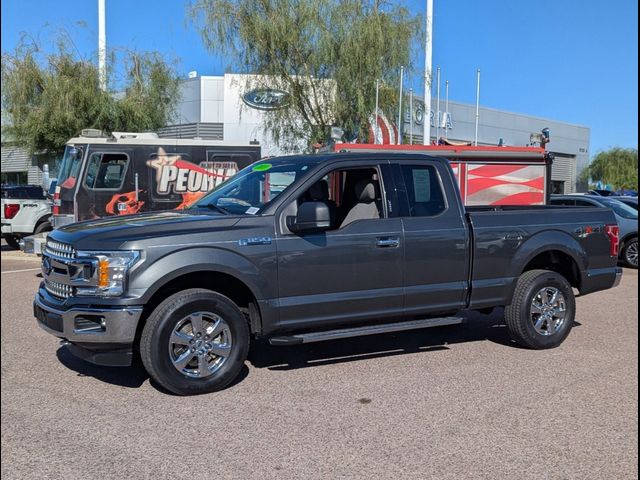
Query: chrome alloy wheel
{"points": [[631, 253], [548, 311], [199, 345]]}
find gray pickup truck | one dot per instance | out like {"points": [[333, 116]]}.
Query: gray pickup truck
{"points": [[308, 248]]}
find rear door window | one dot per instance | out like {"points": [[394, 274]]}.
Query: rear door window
{"points": [[424, 191]]}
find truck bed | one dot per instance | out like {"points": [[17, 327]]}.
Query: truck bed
{"points": [[508, 238]]}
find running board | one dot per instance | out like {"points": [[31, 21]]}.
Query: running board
{"points": [[362, 331]]}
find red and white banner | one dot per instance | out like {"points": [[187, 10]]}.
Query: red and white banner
{"points": [[491, 184], [384, 133]]}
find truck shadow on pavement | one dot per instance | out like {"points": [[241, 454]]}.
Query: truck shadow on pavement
{"points": [[131, 377], [478, 328]]}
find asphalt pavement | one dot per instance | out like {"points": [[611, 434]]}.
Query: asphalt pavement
{"points": [[448, 403]]}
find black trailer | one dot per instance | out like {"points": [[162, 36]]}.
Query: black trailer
{"points": [[126, 173]]}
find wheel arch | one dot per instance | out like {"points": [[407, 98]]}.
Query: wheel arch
{"points": [[558, 261], [628, 237], [223, 283], [555, 251], [41, 220]]}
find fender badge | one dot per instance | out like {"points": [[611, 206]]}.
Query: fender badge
{"points": [[243, 242]]}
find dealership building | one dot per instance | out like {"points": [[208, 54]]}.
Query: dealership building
{"points": [[219, 107], [223, 108]]}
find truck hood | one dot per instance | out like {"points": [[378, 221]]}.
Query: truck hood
{"points": [[112, 232]]}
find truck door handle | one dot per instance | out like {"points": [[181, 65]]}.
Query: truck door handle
{"points": [[387, 242]]}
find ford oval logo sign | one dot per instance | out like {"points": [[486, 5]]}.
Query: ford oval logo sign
{"points": [[266, 99]]}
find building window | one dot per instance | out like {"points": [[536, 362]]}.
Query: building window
{"points": [[557, 187], [14, 178]]}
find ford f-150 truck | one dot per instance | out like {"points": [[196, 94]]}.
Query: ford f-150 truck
{"points": [[308, 248], [25, 211]]}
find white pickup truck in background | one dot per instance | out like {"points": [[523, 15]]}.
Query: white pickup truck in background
{"points": [[26, 210]]}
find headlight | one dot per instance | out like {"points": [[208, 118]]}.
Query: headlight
{"points": [[109, 272]]}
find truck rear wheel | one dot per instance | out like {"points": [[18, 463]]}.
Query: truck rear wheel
{"points": [[196, 341], [542, 310], [43, 227]]}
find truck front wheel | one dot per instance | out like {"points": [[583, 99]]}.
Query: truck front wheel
{"points": [[542, 310], [196, 341]]}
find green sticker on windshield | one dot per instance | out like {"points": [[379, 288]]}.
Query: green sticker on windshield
{"points": [[263, 167]]}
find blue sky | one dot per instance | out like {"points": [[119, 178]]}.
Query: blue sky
{"points": [[567, 60]]}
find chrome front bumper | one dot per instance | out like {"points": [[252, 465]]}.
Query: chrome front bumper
{"points": [[88, 326]]}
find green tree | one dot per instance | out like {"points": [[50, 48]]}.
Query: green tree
{"points": [[617, 167], [327, 54], [47, 99]]}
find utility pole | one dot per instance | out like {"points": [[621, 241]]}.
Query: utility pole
{"points": [[102, 46], [426, 132]]}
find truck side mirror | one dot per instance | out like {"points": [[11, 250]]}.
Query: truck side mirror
{"points": [[312, 216]]}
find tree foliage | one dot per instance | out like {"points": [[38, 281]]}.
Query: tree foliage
{"points": [[47, 99], [617, 167], [327, 54]]}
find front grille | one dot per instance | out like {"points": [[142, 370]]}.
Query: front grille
{"points": [[60, 250], [58, 290]]}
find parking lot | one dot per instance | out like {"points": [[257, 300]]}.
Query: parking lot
{"points": [[452, 402]]}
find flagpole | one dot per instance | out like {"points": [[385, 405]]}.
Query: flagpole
{"points": [[375, 128], [477, 106], [426, 132], [400, 122]]}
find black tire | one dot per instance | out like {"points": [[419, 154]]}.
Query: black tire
{"points": [[520, 318], [630, 253], [43, 227], [12, 241], [155, 349]]}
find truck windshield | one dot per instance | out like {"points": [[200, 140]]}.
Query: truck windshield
{"points": [[254, 187], [70, 168]]}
